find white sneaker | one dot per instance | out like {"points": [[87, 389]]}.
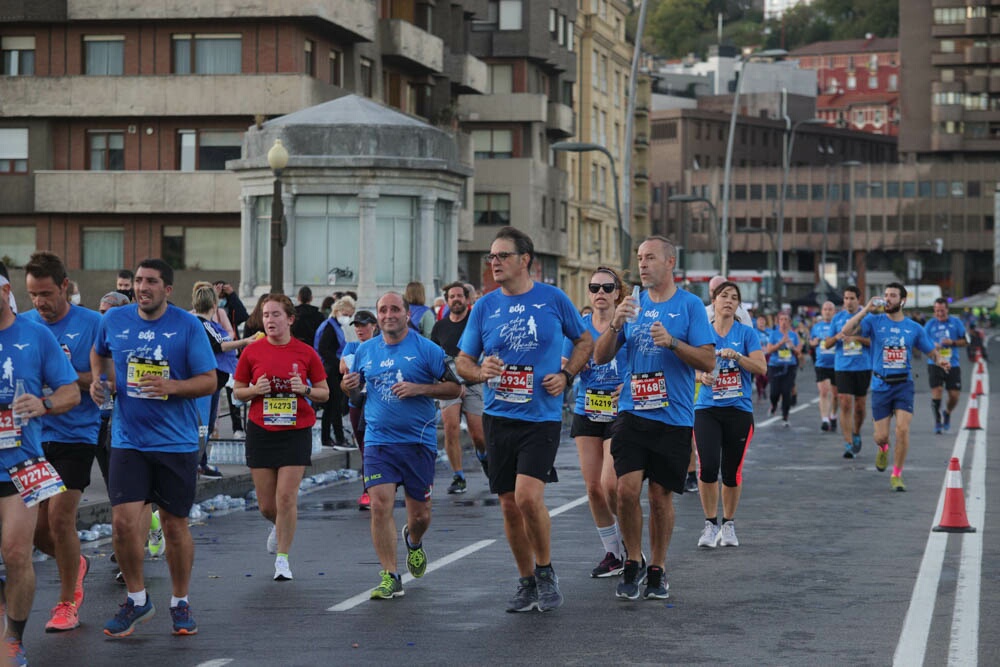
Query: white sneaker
{"points": [[709, 536], [240, 435], [281, 569], [785, 423], [272, 540], [727, 535]]}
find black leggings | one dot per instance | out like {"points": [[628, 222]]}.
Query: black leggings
{"points": [[722, 436], [782, 380], [333, 412]]}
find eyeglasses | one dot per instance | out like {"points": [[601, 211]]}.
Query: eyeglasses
{"points": [[597, 287], [502, 256]]}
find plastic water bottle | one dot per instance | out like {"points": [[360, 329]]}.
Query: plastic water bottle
{"points": [[494, 382], [109, 402], [19, 391], [635, 295]]}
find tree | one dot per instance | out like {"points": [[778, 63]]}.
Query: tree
{"points": [[676, 26]]}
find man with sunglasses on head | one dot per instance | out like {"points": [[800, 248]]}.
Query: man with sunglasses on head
{"points": [[520, 329]]}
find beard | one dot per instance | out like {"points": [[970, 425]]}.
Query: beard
{"points": [[893, 309]]}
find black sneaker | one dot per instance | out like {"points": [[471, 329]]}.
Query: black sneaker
{"points": [[547, 585], [691, 483], [825, 426], [657, 587], [458, 485], [833, 424], [526, 597], [628, 587], [611, 566], [209, 471]]}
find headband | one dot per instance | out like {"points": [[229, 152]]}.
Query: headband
{"points": [[614, 276]]}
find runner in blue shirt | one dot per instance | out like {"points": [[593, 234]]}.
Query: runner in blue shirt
{"points": [[161, 362], [893, 338], [825, 373], [723, 417], [69, 440], [763, 334], [948, 333], [852, 372], [30, 358], [520, 328], [669, 338], [403, 373], [783, 351]]}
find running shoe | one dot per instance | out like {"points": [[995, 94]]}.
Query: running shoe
{"points": [[727, 535], [364, 502], [825, 426], [657, 586], [784, 423], [209, 471], [281, 570], [833, 423], [81, 574], [774, 409], [240, 435], [896, 483], [345, 446], [526, 597], [628, 587], [882, 458], [691, 483], [709, 535], [848, 450], [416, 557], [611, 566], [155, 541], [272, 540], [945, 420], [458, 485], [120, 577], [128, 617], [856, 443], [15, 652], [64, 617], [938, 429], [547, 584], [183, 620], [390, 587]]}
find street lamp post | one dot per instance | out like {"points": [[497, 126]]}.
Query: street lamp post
{"points": [[586, 147], [850, 225], [690, 199], [277, 159]]}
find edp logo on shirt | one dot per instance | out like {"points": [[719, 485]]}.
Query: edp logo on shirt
{"points": [[146, 335]]}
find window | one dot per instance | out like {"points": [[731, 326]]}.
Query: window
{"points": [[595, 76], [947, 45], [510, 16], [595, 119], [13, 152], [18, 56], [859, 118], [103, 248], [492, 209], [367, 78], [562, 30], [310, 58], [569, 35], [208, 248], [103, 55], [941, 189], [18, 245], [327, 238], [873, 83], [925, 189], [553, 16], [209, 54], [816, 193], [972, 189], [208, 150], [755, 192], [892, 189], [336, 68], [894, 81], [493, 144], [618, 89], [107, 151], [501, 79], [957, 189], [909, 189], [604, 128], [852, 81], [604, 74]]}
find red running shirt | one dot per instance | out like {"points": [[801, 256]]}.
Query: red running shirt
{"points": [[284, 410]]}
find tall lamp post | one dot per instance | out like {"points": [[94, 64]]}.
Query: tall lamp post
{"points": [[690, 199], [850, 224], [277, 159], [587, 147]]}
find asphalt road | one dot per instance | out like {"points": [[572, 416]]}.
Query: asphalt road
{"points": [[828, 572]]}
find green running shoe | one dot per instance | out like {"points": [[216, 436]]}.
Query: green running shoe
{"points": [[896, 483], [882, 459], [390, 587], [416, 557]]}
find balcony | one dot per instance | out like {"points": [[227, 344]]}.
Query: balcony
{"points": [[977, 54], [974, 83], [505, 108], [995, 82], [940, 59], [169, 95], [468, 73], [352, 19], [560, 120], [135, 192], [946, 142], [641, 141], [945, 112], [977, 26], [641, 176], [410, 46]]}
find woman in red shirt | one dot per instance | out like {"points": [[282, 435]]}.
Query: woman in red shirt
{"points": [[281, 378]]}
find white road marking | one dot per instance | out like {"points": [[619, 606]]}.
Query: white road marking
{"points": [[218, 662], [797, 408], [568, 506]]}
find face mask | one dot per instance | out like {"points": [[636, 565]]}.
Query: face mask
{"points": [[75, 299]]}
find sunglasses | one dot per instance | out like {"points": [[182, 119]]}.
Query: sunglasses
{"points": [[597, 287], [502, 256]]}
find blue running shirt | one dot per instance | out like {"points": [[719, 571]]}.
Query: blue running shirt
{"points": [[953, 329], [75, 334], [175, 344], [892, 347], [526, 331], [733, 386], [29, 352], [666, 383], [825, 356], [850, 356], [390, 420], [784, 355], [598, 382]]}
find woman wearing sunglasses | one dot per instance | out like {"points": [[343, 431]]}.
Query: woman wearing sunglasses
{"points": [[595, 410], [723, 416]]}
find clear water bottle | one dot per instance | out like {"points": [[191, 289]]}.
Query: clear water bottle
{"points": [[494, 382], [19, 391], [635, 295], [878, 305], [109, 401]]}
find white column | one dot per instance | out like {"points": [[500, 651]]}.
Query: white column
{"points": [[454, 215], [367, 255], [248, 280], [426, 245], [288, 267]]}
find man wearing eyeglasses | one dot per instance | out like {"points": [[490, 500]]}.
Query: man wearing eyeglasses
{"points": [[520, 328], [669, 338]]}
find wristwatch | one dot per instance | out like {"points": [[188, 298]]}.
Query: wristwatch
{"points": [[673, 343], [569, 376], [309, 390], [48, 404]]}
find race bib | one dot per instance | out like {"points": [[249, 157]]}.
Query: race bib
{"points": [[138, 368], [649, 391], [784, 354], [894, 357], [599, 405], [517, 384], [823, 349], [66, 351], [36, 480], [852, 348], [728, 383], [280, 410], [10, 435], [946, 352]]}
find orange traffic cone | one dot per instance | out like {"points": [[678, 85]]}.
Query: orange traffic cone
{"points": [[953, 518], [978, 390], [972, 423]]}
